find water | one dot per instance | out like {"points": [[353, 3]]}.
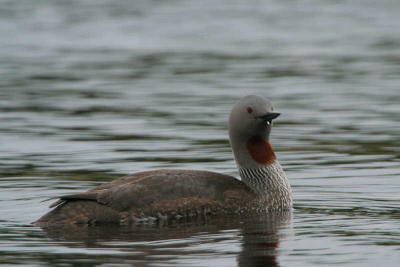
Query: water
{"points": [[92, 90]]}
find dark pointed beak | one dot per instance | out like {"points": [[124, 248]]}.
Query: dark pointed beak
{"points": [[269, 116]]}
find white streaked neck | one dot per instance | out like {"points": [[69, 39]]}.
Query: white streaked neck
{"points": [[270, 183]]}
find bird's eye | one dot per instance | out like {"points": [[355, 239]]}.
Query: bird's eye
{"points": [[249, 110]]}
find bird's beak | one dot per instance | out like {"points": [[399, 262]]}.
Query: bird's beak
{"points": [[269, 117]]}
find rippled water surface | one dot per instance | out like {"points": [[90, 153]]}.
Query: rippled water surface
{"points": [[92, 90]]}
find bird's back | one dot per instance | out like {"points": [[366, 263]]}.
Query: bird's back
{"points": [[153, 196]]}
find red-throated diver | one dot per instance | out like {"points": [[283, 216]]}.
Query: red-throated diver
{"points": [[175, 194]]}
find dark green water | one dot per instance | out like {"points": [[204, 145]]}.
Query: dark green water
{"points": [[92, 90]]}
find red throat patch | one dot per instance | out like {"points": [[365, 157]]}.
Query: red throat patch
{"points": [[260, 150]]}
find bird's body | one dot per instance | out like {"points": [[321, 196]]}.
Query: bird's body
{"points": [[173, 195], [155, 195]]}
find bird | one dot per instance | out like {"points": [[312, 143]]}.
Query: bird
{"points": [[173, 195]]}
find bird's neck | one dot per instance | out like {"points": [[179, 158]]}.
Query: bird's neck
{"points": [[260, 170], [260, 150]]}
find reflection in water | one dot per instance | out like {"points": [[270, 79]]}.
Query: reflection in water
{"points": [[260, 239]]}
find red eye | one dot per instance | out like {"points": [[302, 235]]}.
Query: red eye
{"points": [[249, 110]]}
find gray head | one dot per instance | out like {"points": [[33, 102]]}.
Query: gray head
{"points": [[250, 124], [251, 116]]}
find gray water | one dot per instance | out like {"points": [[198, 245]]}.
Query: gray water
{"points": [[92, 90]]}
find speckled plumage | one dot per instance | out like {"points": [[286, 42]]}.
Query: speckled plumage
{"points": [[152, 196]]}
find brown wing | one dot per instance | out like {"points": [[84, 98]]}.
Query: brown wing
{"points": [[151, 193], [95, 194], [146, 188]]}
